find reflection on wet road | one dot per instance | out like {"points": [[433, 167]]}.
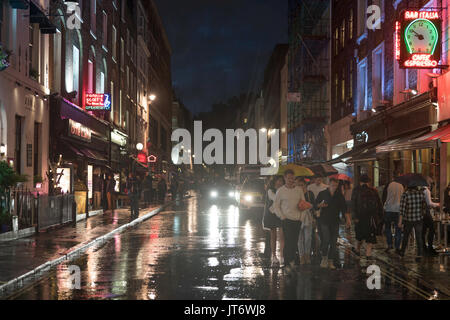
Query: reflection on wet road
{"points": [[195, 250]]}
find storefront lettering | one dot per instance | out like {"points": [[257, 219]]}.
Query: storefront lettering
{"points": [[79, 131]]}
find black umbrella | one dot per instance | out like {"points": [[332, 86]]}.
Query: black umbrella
{"points": [[323, 170], [412, 180]]}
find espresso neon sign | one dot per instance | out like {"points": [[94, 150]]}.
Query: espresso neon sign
{"points": [[418, 40]]}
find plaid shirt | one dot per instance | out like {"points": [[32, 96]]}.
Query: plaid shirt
{"points": [[411, 205]]}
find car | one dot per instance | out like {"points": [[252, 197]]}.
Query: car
{"points": [[251, 194], [221, 191]]}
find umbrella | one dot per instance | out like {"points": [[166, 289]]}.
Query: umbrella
{"points": [[323, 170], [341, 176], [299, 171], [412, 180]]}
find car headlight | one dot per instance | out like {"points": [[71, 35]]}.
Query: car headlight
{"points": [[213, 194], [248, 198], [231, 194]]}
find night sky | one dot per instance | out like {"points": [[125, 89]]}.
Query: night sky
{"points": [[220, 47]]}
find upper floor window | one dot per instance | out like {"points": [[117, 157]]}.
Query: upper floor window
{"points": [[336, 41], [350, 25], [343, 34], [113, 42], [105, 29], [1, 20], [362, 16], [93, 15], [362, 85]]}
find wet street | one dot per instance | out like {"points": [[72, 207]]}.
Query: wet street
{"points": [[198, 250]]}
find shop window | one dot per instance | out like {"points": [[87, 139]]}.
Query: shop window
{"points": [[378, 76], [362, 85]]}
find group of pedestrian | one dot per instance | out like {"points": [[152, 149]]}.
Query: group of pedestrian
{"points": [[300, 215], [407, 208]]}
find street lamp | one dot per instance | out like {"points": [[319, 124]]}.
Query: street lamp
{"points": [[139, 146], [152, 97]]}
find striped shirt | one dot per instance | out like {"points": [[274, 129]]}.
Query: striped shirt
{"points": [[411, 205]]}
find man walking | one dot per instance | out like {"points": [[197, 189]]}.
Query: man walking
{"points": [[331, 203], [133, 193], [367, 209], [412, 206], [316, 187], [147, 188], [428, 222], [391, 216], [286, 208]]}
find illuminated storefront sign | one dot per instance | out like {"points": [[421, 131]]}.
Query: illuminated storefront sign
{"points": [[418, 40], [98, 101], [142, 157], [152, 158], [118, 138], [77, 130]]}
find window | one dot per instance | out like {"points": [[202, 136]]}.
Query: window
{"points": [[111, 114], [105, 29], [343, 86], [1, 20], [122, 53], [122, 10], [350, 80], [343, 34], [350, 25], [362, 85], [102, 83], [76, 68], [18, 145], [378, 76], [113, 42], [336, 87], [120, 107], [336, 41], [128, 79], [37, 138], [128, 42], [93, 15], [362, 16], [90, 84]]}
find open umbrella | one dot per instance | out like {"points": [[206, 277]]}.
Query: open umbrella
{"points": [[412, 180], [341, 176], [299, 171], [323, 170]]}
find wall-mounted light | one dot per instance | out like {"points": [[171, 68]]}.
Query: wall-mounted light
{"points": [[152, 97], [2, 150], [139, 146]]}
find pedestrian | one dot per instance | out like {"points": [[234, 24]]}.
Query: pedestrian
{"points": [[110, 184], [286, 208], [316, 187], [304, 240], [368, 211], [272, 222], [162, 189], [428, 222], [174, 187], [97, 186], [412, 207], [133, 194], [147, 188], [348, 191], [331, 203], [392, 213]]}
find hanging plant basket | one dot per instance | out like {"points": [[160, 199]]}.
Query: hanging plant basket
{"points": [[4, 58]]}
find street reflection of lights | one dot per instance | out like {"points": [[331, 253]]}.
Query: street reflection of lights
{"points": [[213, 262], [214, 236], [248, 235]]}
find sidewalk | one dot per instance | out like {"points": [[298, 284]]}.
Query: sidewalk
{"points": [[431, 273], [22, 256]]}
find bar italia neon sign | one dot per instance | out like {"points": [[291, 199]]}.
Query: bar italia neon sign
{"points": [[417, 42]]}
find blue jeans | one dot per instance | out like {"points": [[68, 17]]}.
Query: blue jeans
{"points": [[389, 219]]}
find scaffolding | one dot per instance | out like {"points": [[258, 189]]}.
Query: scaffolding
{"points": [[309, 63]]}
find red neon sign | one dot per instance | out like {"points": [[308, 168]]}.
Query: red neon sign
{"points": [[397, 40], [430, 15], [421, 61], [142, 157]]}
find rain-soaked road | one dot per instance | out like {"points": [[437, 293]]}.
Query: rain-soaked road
{"points": [[196, 250]]}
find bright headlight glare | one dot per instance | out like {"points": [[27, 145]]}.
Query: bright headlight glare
{"points": [[231, 194], [213, 193], [248, 198]]}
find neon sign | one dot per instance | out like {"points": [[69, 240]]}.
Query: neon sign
{"points": [[418, 40], [98, 101]]}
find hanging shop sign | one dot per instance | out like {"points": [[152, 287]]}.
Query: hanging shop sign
{"points": [[418, 39], [152, 158], [142, 157], [118, 138], [98, 101], [77, 130]]}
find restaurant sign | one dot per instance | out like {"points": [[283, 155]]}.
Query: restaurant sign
{"points": [[98, 101], [78, 131], [418, 39]]}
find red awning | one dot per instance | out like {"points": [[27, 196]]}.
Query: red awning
{"points": [[441, 133]]}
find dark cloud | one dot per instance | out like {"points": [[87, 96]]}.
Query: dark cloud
{"points": [[220, 47]]}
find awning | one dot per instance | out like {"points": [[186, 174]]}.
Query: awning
{"points": [[93, 155], [347, 156], [442, 134], [368, 154], [408, 142]]}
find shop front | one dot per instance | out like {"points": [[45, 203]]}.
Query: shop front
{"points": [[79, 155]]}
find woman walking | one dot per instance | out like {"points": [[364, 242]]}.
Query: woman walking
{"points": [[272, 222], [304, 240]]}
